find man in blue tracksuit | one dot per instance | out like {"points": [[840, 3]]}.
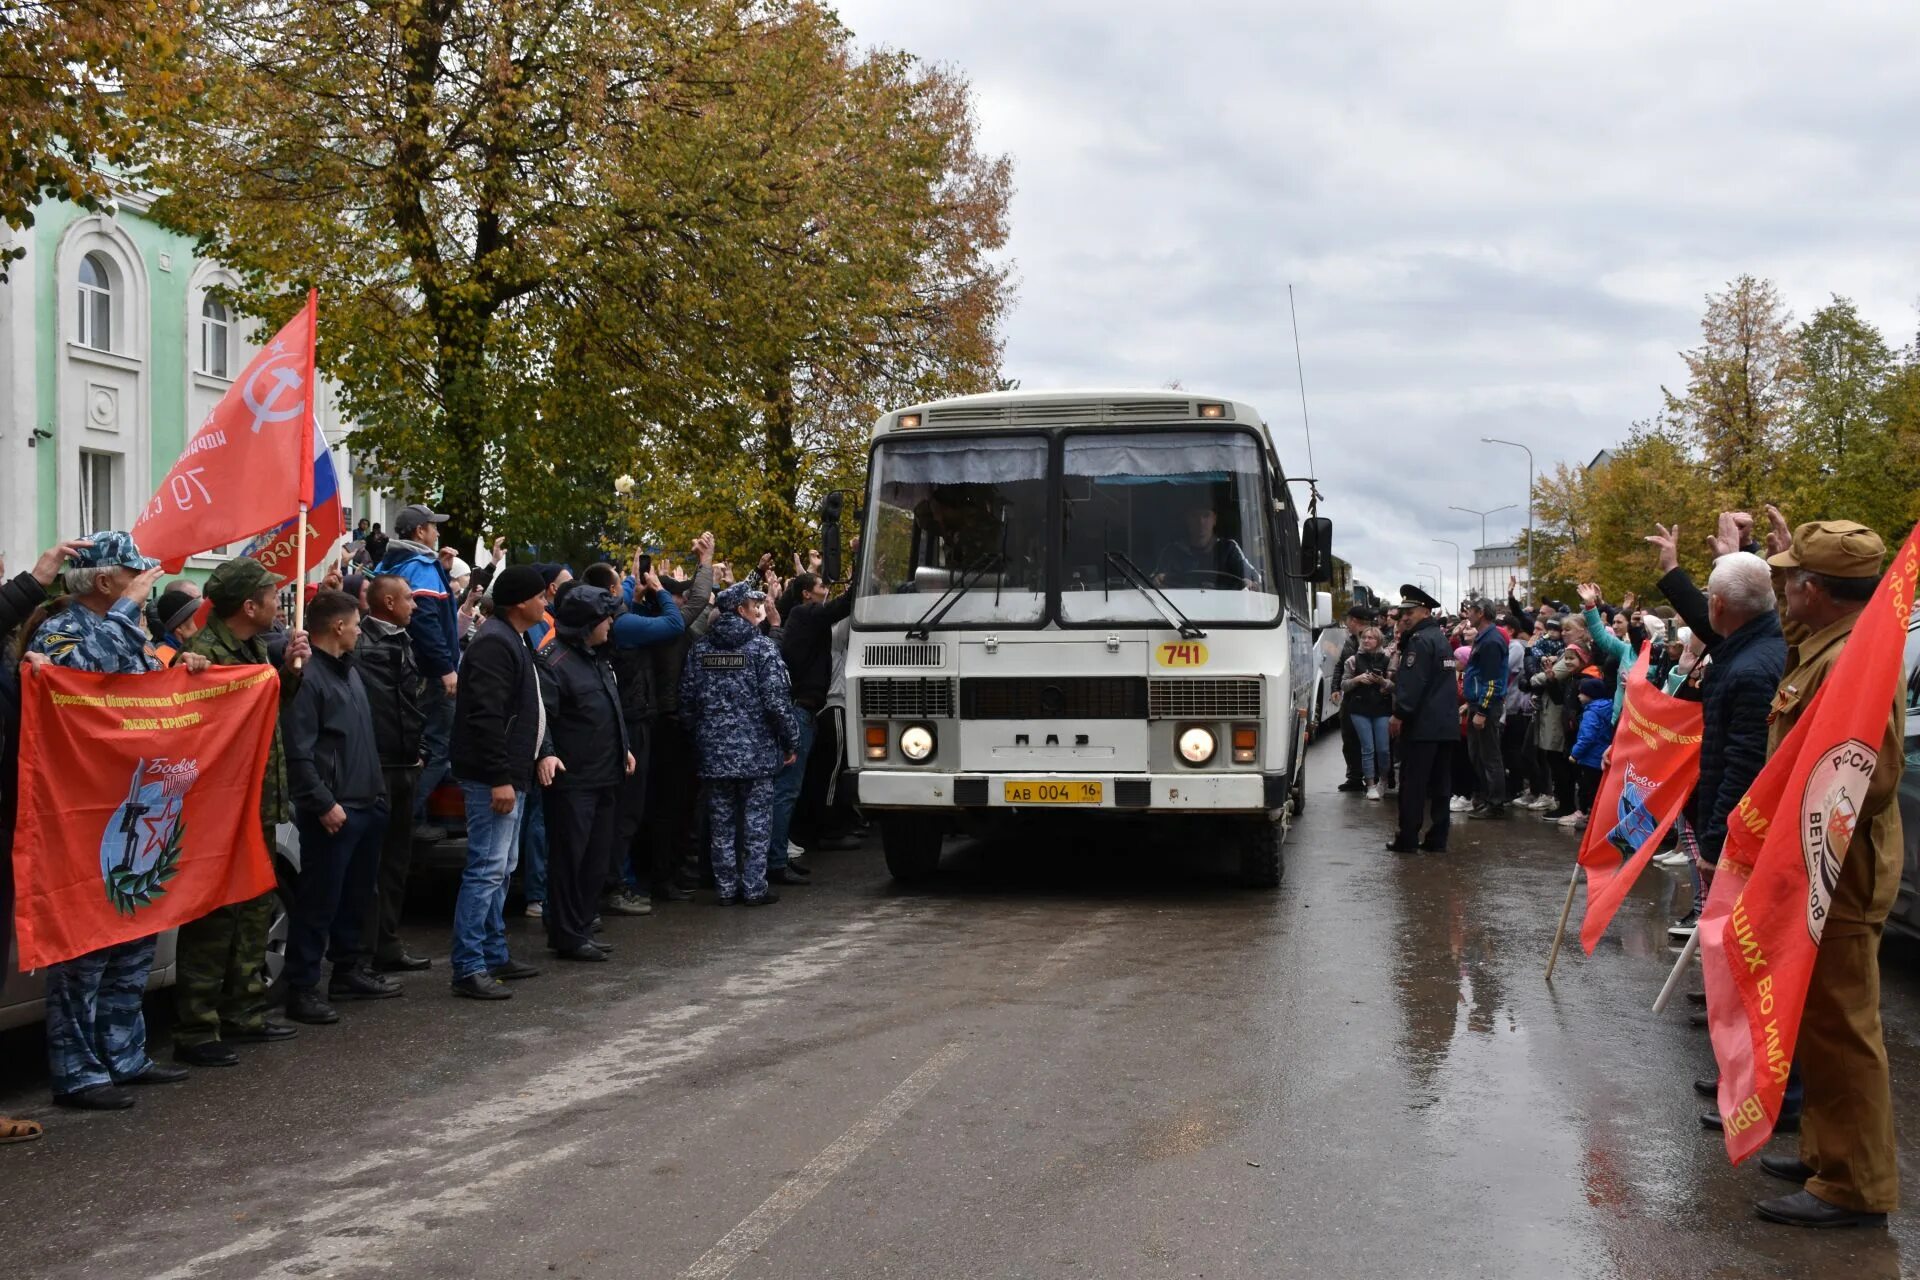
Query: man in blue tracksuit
{"points": [[736, 702], [413, 554], [1486, 694]]}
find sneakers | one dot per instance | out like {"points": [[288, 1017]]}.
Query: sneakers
{"points": [[1460, 804], [625, 904], [1539, 804], [1352, 784], [1575, 819], [1373, 792], [536, 911], [1673, 860]]}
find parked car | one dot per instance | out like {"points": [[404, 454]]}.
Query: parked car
{"points": [[1326, 704]]}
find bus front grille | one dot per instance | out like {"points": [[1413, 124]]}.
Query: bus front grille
{"points": [[906, 698], [1195, 699], [904, 655], [1054, 698]]}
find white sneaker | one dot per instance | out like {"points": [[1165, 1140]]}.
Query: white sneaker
{"points": [[1460, 804], [795, 851], [1673, 859], [1373, 792], [1542, 803], [536, 911], [1572, 820]]}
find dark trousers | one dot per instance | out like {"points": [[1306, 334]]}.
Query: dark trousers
{"points": [[1560, 765], [1489, 768], [1425, 770], [1515, 734], [631, 866], [673, 826], [582, 823], [338, 870], [1586, 788], [1350, 745], [810, 814], [381, 933]]}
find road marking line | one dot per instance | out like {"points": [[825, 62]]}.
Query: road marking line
{"points": [[1061, 956], [779, 1208]]}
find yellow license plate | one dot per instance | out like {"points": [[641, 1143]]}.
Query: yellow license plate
{"points": [[1054, 792]]}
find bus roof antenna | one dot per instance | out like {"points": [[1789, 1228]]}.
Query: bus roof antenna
{"points": [[1301, 370]]}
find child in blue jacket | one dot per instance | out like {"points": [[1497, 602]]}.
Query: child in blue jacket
{"points": [[1590, 748]]}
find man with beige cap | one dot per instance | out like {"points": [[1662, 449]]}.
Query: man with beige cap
{"points": [[1827, 572]]}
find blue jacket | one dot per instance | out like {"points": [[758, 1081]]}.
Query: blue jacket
{"points": [[1596, 734], [1486, 683], [435, 628], [1737, 694], [115, 642], [735, 700]]}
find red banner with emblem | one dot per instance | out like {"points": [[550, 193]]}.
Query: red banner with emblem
{"points": [[1786, 840], [1651, 769], [139, 803]]}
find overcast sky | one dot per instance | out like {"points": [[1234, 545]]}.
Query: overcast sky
{"points": [[1498, 218]]}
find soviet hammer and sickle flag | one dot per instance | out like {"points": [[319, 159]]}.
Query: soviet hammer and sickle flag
{"points": [[250, 465], [139, 803], [1786, 840]]}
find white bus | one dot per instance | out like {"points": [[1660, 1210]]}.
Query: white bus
{"points": [[1099, 601]]}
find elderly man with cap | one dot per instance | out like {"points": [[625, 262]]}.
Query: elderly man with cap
{"points": [[589, 731], [96, 1020], [501, 746], [413, 554], [1848, 1165], [1426, 722], [737, 704], [220, 995]]}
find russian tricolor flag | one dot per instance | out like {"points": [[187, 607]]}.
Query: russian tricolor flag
{"points": [[326, 522]]}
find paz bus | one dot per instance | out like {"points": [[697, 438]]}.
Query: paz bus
{"points": [[1099, 602]]}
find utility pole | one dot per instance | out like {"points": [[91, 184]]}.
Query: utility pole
{"points": [[1456, 561], [1483, 524], [1439, 580], [1515, 444]]}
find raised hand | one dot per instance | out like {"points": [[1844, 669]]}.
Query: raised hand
{"points": [[1667, 541], [1779, 532], [54, 559], [1590, 595], [1728, 538], [142, 586]]}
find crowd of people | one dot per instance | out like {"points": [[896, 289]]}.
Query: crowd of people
{"points": [[577, 716], [1504, 709]]}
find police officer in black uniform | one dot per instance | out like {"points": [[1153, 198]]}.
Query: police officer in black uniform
{"points": [[1426, 722]]}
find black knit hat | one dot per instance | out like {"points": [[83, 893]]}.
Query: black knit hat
{"points": [[517, 584]]}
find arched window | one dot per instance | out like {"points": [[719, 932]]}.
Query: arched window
{"points": [[213, 338], [96, 304]]}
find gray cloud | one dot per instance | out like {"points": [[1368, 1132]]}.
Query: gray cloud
{"points": [[1499, 219]]}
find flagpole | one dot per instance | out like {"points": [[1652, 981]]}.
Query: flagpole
{"points": [[1673, 979], [1553, 957], [306, 469]]}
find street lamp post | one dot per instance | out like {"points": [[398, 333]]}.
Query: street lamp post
{"points": [[1492, 511], [1515, 444], [1439, 580], [1456, 559]]}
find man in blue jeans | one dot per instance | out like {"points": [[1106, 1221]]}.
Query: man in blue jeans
{"points": [[501, 746]]}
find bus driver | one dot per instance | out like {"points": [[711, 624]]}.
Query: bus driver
{"points": [[1204, 560]]}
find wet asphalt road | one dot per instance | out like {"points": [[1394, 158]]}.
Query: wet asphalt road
{"points": [[1048, 1065]]}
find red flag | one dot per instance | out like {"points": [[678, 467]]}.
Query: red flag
{"points": [[278, 547], [1760, 931], [1654, 763], [139, 803], [249, 464]]}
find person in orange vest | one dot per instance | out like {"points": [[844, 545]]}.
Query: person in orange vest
{"points": [[176, 618]]}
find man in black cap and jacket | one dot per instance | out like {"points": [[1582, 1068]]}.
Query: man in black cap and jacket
{"points": [[501, 746], [589, 732], [1426, 722], [396, 691]]}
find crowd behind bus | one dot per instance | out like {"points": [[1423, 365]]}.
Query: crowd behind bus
{"points": [[579, 716]]}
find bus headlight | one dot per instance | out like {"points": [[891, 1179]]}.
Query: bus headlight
{"points": [[916, 742], [1196, 745]]}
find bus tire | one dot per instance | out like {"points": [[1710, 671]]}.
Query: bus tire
{"points": [[1262, 861], [912, 844]]}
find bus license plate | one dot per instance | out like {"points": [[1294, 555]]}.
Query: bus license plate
{"points": [[1054, 792]]}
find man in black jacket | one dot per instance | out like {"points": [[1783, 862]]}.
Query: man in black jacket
{"points": [[395, 691], [340, 807], [589, 732], [500, 748], [1426, 722], [1359, 618], [807, 647]]}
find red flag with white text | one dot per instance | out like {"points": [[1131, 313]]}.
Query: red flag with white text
{"points": [[1653, 765], [250, 464], [139, 803], [1786, 841], [278, 547]]}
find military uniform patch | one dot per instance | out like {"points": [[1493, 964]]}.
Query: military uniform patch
{"points": [[724, 661]]}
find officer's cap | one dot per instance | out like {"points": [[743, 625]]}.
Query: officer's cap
{"points": [[738, 594], [1412, 597], [1837, 548], [582, 608]]}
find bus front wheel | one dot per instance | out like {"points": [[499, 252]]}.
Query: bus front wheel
{"points": [[912, 844], [1262, 861]]}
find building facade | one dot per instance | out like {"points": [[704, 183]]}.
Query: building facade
{"points": [[1492, 567], [113, 348]]}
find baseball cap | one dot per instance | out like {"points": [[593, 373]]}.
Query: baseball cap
{"points": [[237, 581], [411, 518], [738, 594], [1837, 548], [112, 547]]}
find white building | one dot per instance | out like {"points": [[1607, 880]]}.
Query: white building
{"points": [[1492, 567]]}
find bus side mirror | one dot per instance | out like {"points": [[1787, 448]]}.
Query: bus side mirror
{"points": [[830, 508], [1316, 549], [1322, 610]]}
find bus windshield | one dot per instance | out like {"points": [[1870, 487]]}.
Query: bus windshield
{"points": [[1182, 508], [958, 516]]}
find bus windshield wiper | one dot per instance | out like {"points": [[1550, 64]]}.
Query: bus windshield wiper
{"points": [[922, 629], [1155, 596]]}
